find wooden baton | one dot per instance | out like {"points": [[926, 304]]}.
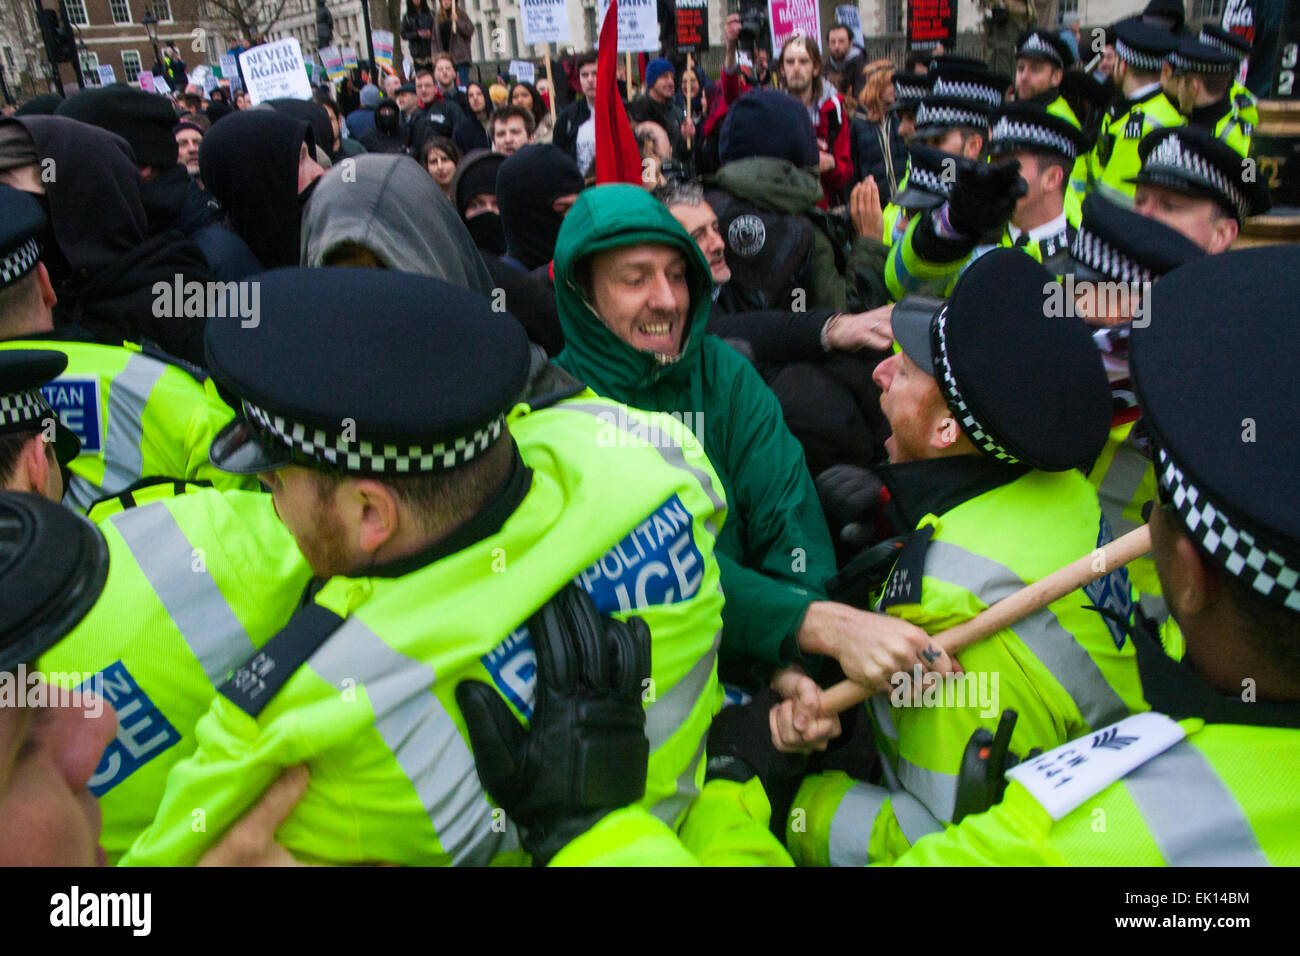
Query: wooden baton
{"points": [[1015, 606]]}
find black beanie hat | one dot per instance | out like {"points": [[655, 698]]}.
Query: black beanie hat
{"points": [[42, 104], [476, 175], [144, 120], [768, 123], [527, 184]]}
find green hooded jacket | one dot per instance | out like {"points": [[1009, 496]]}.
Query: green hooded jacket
{"points": [[775, 551]]}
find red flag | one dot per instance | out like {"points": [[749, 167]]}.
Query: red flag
{"points": [[617, 158]]}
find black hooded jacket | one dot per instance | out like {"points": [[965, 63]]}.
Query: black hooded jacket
{"points": [[103, 262], [249, 162], [528, 184]]}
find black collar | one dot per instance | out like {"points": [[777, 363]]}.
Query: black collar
{"points": [[1172, 687], [1209, 116], [64, 333], [919, 488], [484, 523]]}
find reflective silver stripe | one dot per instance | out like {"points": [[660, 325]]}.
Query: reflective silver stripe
{"points": [[937, 791], [1191, 814], [127, 396], [853, 822], [1054, 646], [669, 448], [879, 705], [913, 818], [667, 715], [1120, 485], [674, 805], [669, 712], [196, 605], [1113, 193], [81, 493], [422, 736]]}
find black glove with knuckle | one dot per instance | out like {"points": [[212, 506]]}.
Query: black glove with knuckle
{"points": [[585, 753], [982, 200]]}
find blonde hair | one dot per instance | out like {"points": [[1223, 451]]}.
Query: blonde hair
{"points": [[878, 75]]}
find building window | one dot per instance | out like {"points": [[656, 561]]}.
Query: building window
{"points": [[90, 67], [121, 11], [1205, 9], [131, 65], [589, 24], [77, 13], [162, 9], [1066, 6], [893, 16], [478, 41]]}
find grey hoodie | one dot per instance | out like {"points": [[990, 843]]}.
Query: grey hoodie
{"points": [[389, 205]]}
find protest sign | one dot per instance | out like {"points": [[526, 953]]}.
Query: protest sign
{"points": [[275, 71]]}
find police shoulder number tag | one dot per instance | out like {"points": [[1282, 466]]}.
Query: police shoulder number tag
{"points": [[1061, 780]]}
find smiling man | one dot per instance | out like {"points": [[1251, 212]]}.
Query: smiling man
{"points": [[634, 293]]}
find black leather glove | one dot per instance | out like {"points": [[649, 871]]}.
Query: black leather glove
{"points": [[585, 753], [740, 748], [983, 199], [848, 494]]}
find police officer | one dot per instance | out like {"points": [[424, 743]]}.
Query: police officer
{"points": [[1117, 255], [437, 520], [1141, 50], [1044, 148], [52, 566], [1042, 58], [1244, 104], [1196, 184], [984, 483], [34, 445], [928, 184], [909, 90], [1206, 778], [137, 414], [1202, 77]]}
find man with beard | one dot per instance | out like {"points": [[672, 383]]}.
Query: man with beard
{"points": [[401, 498], [800, 66]]}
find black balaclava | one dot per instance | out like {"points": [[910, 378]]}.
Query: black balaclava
{"points": [[527, 185], [475, 176], [387, 118], [249, 162], [93, 170]]}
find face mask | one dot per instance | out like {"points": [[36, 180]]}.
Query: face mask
{"points": [[485, 229]]}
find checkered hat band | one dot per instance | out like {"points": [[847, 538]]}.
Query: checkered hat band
{"points": [[19, 262], [1027, 134], [904, 91], [1143, 61], [1171, 156], [23, 408], [1037, 46], [952, 395], [970, 91], [1235, 548], [1099, 255], [927, 180], [371, 457], [949, 116], [1187, 64], [1222, 46]]}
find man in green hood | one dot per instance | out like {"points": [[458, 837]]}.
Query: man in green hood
{"points": [[633, 292]]}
